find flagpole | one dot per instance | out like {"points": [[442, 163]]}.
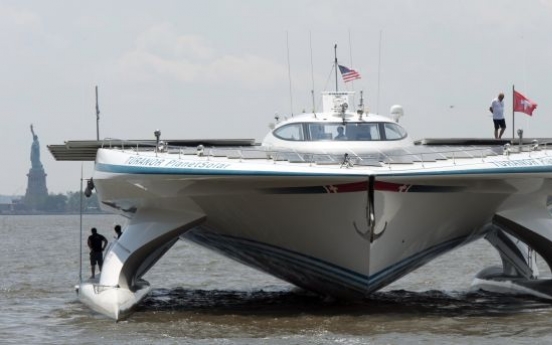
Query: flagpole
{"points": [[335, 55], [80, 224], [513, 117]]}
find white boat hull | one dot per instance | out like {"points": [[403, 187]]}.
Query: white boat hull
{"points": [[317, 232], [114, 302], [309, 225]]}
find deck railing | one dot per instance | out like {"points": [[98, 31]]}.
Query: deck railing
{"points": [[423, 154]]}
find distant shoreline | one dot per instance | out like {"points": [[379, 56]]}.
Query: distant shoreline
{"points": [[51, 213]]}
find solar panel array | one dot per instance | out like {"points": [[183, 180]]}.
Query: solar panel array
{"points": [[86, 151]]}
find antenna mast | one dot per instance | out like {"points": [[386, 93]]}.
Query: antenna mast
{"points": [[351, 58], [312, 75], [335, 54], [379, 72], [97, 116], [289, 74]]}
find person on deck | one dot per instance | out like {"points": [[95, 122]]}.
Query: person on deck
{"points": [[118, 231], [97, 244], [497, 109]]}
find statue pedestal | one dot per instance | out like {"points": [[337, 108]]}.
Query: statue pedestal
{"points": [[37, 192]]}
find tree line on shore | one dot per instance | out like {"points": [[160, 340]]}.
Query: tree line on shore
{"points": [[70, 202]]}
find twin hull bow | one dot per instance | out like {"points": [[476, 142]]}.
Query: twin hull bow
{"points": [[340, 231]]}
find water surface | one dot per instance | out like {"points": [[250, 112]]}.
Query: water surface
{"points": [[200, 297]]}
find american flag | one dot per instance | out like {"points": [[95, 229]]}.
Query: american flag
{"points": [[348, 74]]}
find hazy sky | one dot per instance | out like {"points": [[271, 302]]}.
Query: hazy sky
{"points": [[210, 69]]}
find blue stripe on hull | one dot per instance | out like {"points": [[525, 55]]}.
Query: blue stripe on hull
{"points": [[309, 272], [127, 169]]}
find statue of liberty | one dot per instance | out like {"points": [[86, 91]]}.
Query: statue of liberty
{"points": [[35, 151]]}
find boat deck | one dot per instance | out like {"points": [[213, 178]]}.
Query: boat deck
{"points": [[426, 150]]}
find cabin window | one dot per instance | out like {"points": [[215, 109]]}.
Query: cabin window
{"points": [[337, 131], [367, 131], [320, 131], [363, 131], [394, 131], [292, 132]]}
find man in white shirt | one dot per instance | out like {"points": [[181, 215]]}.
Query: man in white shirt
{"points": [[497, 109]]}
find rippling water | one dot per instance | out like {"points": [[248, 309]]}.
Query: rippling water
{"points": [[202, 298]]}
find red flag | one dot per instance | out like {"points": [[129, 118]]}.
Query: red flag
{"points": [[523, 104]]}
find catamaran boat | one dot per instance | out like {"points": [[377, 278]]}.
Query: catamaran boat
{"points": [[338, 202]]}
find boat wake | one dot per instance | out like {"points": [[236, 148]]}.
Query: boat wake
{"points": [[295, 301]]}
